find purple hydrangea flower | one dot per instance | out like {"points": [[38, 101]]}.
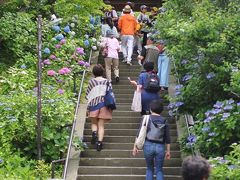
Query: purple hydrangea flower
{"points": [[232, 167], [64, 70], [53, 57], [80, 51], [81, 63], [184, 61], [87, 65], [177, 93], [1, 161], [47, 62], [171, 106], [186, 77], [210, 75], [58, 46], [238, 104], [225, 116], [208, 113], [63, 41], [60, 81], [60, 91]]}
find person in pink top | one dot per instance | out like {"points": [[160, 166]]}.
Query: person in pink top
{"points": [[113, 47]]}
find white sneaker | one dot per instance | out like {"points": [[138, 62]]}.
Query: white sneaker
{"points": [[124, 60], [139, 52], [129, 63], [140, 62]]}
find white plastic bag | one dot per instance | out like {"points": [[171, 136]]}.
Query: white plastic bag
{"points": [[137, 102]]}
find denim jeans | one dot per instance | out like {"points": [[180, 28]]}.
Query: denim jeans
{"points": [[154, 153]]}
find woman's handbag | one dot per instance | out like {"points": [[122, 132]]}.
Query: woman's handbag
{"points": [[109, 98], [142, 134], [105, 50], [137, 102]]}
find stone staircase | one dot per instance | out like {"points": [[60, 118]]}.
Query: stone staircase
{"points": [[115, 161]]}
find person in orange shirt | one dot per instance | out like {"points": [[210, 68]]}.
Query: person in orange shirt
{"points": [[127, 25]]}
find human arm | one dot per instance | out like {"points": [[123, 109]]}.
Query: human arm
{"points": [[167, 153], [167, 141]]}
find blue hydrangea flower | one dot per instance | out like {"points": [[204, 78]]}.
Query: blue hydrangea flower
{"points": [[225, 116], [191, 139], [205, 129], [1, 161], [92, 20], [177, 93], [186, 77], [178, 87], [207, 113], [86, 42], [238, 104], [47, 51], [216, 111], [56, 28], [66, 29], [179, 103], [59, 37], [230, 101], [228, 107], [232, 167], [208, 119], [211, 134], [171, 106], [210, 75], [218, 104], [23, 66], [184, 61]]}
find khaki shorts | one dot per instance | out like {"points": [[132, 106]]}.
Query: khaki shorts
{"points": [[102, 113]]}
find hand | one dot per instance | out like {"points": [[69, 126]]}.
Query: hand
{"points": [[135, 151], [167, 155]]}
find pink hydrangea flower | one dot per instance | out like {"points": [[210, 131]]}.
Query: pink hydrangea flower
{"points": [[64, 70], [51, 73], [53, 57], [47, 62], [60, 91], [58, 46], [63, 41], [80, 51]]}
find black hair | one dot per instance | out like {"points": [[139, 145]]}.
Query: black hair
{"points": [[195, 168], [156, 106], [148, 66], [98, 70], [109, 22]]}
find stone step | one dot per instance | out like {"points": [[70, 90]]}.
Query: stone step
{"points": [[126, 146], [130, 96], [133, 114], [113, 153], [121, 98], [113, 125], [122, 177], [119, 139], [136, 119], [100, 170], [132, 162], [127, 107], [123, 132]]}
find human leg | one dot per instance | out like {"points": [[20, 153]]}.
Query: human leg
{"points": [[116, 69], [124, 46], [130, 40], [159, 160], [94, 127], [149, 158], [108, 64]]}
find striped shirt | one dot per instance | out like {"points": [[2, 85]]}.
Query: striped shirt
{"points": [[96, 91]]}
